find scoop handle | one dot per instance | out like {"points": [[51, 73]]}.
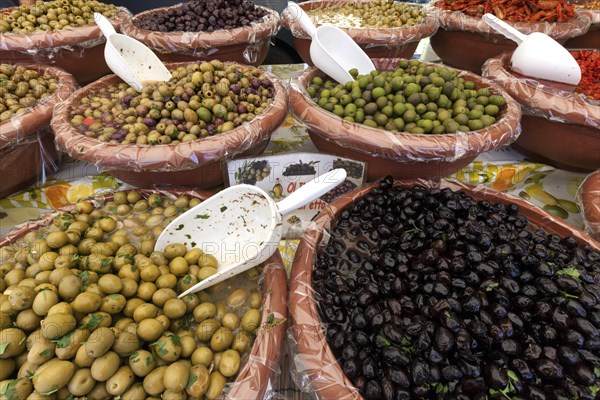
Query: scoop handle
{"points": [[303, 19], [312, 190], [505, 29], [104, 25]]}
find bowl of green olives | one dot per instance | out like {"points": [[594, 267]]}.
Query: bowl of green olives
{"points": [[27, 98], [88, 308], [382, 28], [60, 33], [404, 289], [409, 119], [177, 132], [240, 32]]}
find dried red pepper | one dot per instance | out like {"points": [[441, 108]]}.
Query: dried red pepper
{"points": [[589, 62], [514, 10]]}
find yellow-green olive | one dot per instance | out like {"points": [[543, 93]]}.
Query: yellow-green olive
{"points": [[251, 320], [216, 385], [206, 329], [105, 366], [221, 339], [82, 382], [229, 365], [142, 362]]}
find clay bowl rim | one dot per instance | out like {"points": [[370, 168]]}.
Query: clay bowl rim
{"points": [[274, 292], [39, 115], [541, 96], [366, 36], [301, 299], [42, 40], [457, 20], [189, 155], [427, 146], [219, 38]]}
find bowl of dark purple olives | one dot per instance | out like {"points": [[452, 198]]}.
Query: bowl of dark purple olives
{"points": [[421, 290], [230, 30]]}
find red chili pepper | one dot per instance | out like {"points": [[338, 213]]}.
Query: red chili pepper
{"points": [[589, 62], [87, 121]]}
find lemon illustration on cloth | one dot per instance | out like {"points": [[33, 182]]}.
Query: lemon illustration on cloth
{"points": [[79, 191]]}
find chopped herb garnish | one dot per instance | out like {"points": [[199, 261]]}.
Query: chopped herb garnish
{"points": [[223, 208], [193, 378], [568, 295], [179, 227], [193, 244], [94, 321], [64, 341], [271, 319], [492, 286], [202, 216], [187, 235], [3, 347], [46, 353], [385, 340], [571, 272]]}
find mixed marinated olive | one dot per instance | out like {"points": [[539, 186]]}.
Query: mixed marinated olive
{"points": [[89, 309], [426, 293], [368, 14], [200, 100], [53, 15], [415, 97], [203, 16], [22, 88]]}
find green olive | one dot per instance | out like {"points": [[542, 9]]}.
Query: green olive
{"points": [[176, 376], [76, 339], [202, 356], [117, 384], [149, 329], [53, 377], [200, 382], [251, 320], [154, 383], [167, 347], [57, 325], [229, 364], [142, 362], [221, 339], [82, 382], [216, 385], [100, 342], [14, 341], [105, 366]]}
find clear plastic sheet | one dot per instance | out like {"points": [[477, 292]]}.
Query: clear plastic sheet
{"points": [[262, 362], [404, 147], [368, 38], [27, 161], [247, 44], [588, 197], [26, 144], [316, 370], [560, 31], [167, 157], [50, 45], [543, 99]]}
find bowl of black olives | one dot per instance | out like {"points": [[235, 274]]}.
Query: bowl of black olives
{"points": [[27, 98], [409, 119], [61, 33], [230, 30], [176, 132], [413, 289]]}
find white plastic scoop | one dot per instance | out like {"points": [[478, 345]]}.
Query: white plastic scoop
{"points": [[240, 226], [130, 59], [538, 55], [332, 50]]}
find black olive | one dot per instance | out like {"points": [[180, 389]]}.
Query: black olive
{"points": [[350, 368], [369, 368], [399, 376], [548, 369], [419, 371], [586, 328], [387, 388], [522, 368], [443, 340], [583, 374], [394, 356], [496, 377], [373, 390]]}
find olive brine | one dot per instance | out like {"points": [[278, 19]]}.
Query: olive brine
{"points": [[88, 308], [200, 100], [415, 98], [430, 294]]}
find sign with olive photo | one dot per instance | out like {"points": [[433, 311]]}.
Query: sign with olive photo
{"points": [[280, 175]]}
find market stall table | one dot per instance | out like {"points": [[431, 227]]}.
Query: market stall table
{"points": [[503, 170]]}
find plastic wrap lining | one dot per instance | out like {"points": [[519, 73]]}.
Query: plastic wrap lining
{"points": [[166, 157], [207, 44], [316, 370], [368, 37], [543, 99], [560, 31], [405, 147], [588, 197], [262, 362]]}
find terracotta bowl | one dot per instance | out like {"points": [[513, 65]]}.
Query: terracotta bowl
{"points": [[312, 352], [589, 200], [590, 40], [252, 380], [26, 145], [466, 42], [377, 43], [79, 51], [559, 127], [248, 45], [402, 155], [195, 164]]}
